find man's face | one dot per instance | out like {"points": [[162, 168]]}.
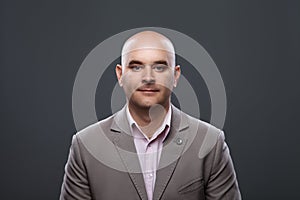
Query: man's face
{"points": [[148, 77]]}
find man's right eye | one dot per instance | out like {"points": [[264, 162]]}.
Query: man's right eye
{"points": [[136, 68]]}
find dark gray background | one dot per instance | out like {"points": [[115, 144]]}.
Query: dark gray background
{"points": [[255, 44]]}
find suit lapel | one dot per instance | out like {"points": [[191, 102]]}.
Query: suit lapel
{"points": [[125, 146], [172, 149]]}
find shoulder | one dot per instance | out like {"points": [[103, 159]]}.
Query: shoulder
{"points": [[200, 126], [94, 129]]}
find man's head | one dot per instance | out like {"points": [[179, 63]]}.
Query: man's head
{"points": [[148, 72]]}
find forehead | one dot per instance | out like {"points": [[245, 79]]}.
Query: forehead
{"points": [[148, 56]]}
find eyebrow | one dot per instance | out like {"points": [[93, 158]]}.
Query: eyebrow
{"points": [[137, 62], [163, 62], [134, 62]]}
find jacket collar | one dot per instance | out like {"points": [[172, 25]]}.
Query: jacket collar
{"points": [[121, 123]]}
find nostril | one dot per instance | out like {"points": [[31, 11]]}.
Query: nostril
{"points": [[148, 81]]}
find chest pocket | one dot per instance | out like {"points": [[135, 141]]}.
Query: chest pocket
{"points": [[193, 190]]}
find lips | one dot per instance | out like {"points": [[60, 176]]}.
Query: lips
{"points": [[148, 90], [144, 89]]}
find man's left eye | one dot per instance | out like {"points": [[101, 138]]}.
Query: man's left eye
{"points": [[160, 68]]}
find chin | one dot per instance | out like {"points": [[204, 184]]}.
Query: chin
{"points": [[144, 104], [149, 104]]}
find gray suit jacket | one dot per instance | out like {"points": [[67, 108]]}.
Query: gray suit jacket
{"points": [[195, 163]]}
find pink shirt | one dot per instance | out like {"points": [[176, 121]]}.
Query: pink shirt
{"points": [[149, 150]]}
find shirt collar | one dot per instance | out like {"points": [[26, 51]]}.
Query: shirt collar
{"points": [[165, 127]]}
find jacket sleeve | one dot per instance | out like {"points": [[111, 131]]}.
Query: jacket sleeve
{"points": [[222, 182], [75, 182]]}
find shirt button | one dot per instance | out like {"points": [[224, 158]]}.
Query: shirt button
{"points": [[150, 175]]}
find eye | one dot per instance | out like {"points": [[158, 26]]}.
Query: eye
{"points": [[160, 68], [136, 68]]}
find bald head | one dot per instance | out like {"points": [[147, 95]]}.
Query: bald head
{"points": [[148, 40]]}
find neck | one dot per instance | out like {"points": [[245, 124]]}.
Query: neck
{"points": [[149, 119]]}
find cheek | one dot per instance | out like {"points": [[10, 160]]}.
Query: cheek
{"points": [[166, 81], [130, 83]]}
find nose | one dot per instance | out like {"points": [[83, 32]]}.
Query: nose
{"points": [[148, 77]]}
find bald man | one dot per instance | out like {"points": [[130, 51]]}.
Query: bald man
{"points": [[149, 149]]}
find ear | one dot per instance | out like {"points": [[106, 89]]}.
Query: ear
{"points": [[177, 72], [119, 74]]}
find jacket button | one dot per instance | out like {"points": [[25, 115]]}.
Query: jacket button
{"points": [[179, 141]]}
